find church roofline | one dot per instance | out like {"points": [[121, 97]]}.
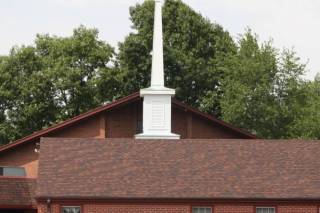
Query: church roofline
{"points": [[122, 101]]}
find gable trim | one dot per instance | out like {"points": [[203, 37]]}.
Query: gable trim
{"points": [[69, 122], [122, 101]]}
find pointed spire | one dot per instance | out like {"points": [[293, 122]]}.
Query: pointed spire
{"points": [[157, 73], [157, 98]]}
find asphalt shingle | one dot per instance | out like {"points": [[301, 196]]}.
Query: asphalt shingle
{"points": [[213, 169], [17, 191]]}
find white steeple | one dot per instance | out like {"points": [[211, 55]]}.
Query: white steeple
{"points": [[157, 98], [157, 74]]}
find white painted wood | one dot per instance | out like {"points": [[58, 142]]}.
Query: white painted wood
{"points": [[157, 98], [157, 73]]}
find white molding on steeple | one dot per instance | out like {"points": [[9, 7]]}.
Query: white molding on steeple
{"points": [[157, 98]]}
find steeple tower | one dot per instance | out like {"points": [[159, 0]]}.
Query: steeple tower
{"points": [[157, 98], [157, 73]]}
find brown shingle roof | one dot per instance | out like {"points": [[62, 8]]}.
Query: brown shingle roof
{"points": [[16, 191], [213, 169]]}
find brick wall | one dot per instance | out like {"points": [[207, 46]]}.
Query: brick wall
{"points": [[123, 122], [100, 208], [251, 209], [25, 155], [88, 128], [42, 208], [22, 156], [297, 209], [234, 209], [204, 129], [180, 123], [135, 209]]}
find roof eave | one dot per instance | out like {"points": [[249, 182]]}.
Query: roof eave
{"points": [[173, 199]]}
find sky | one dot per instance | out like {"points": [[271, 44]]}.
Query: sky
{"points": [[289, 23]]}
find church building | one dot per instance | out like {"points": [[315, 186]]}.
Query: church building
{"points": [[150, 153]]}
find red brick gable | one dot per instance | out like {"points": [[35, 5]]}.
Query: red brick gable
{"points": [[111, 106], [69, 122]]}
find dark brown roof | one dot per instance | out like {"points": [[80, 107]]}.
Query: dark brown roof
{"points": [[16, 191], [122, 101], [204, 169]]}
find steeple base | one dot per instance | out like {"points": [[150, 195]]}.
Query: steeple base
{"points": [[157, 90], [157, 113], [166, 136]]}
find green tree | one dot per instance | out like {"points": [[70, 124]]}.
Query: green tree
{"points": [[290, 94], [78, 68], [5, 97], [194, 50], [307, 123], [57, 78], [262, 88], [248, 84], [25, 90]]}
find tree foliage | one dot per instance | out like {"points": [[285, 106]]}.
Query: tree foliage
{"points": [[263, 89], [55, 79], [307, 124], [194, 51]]}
